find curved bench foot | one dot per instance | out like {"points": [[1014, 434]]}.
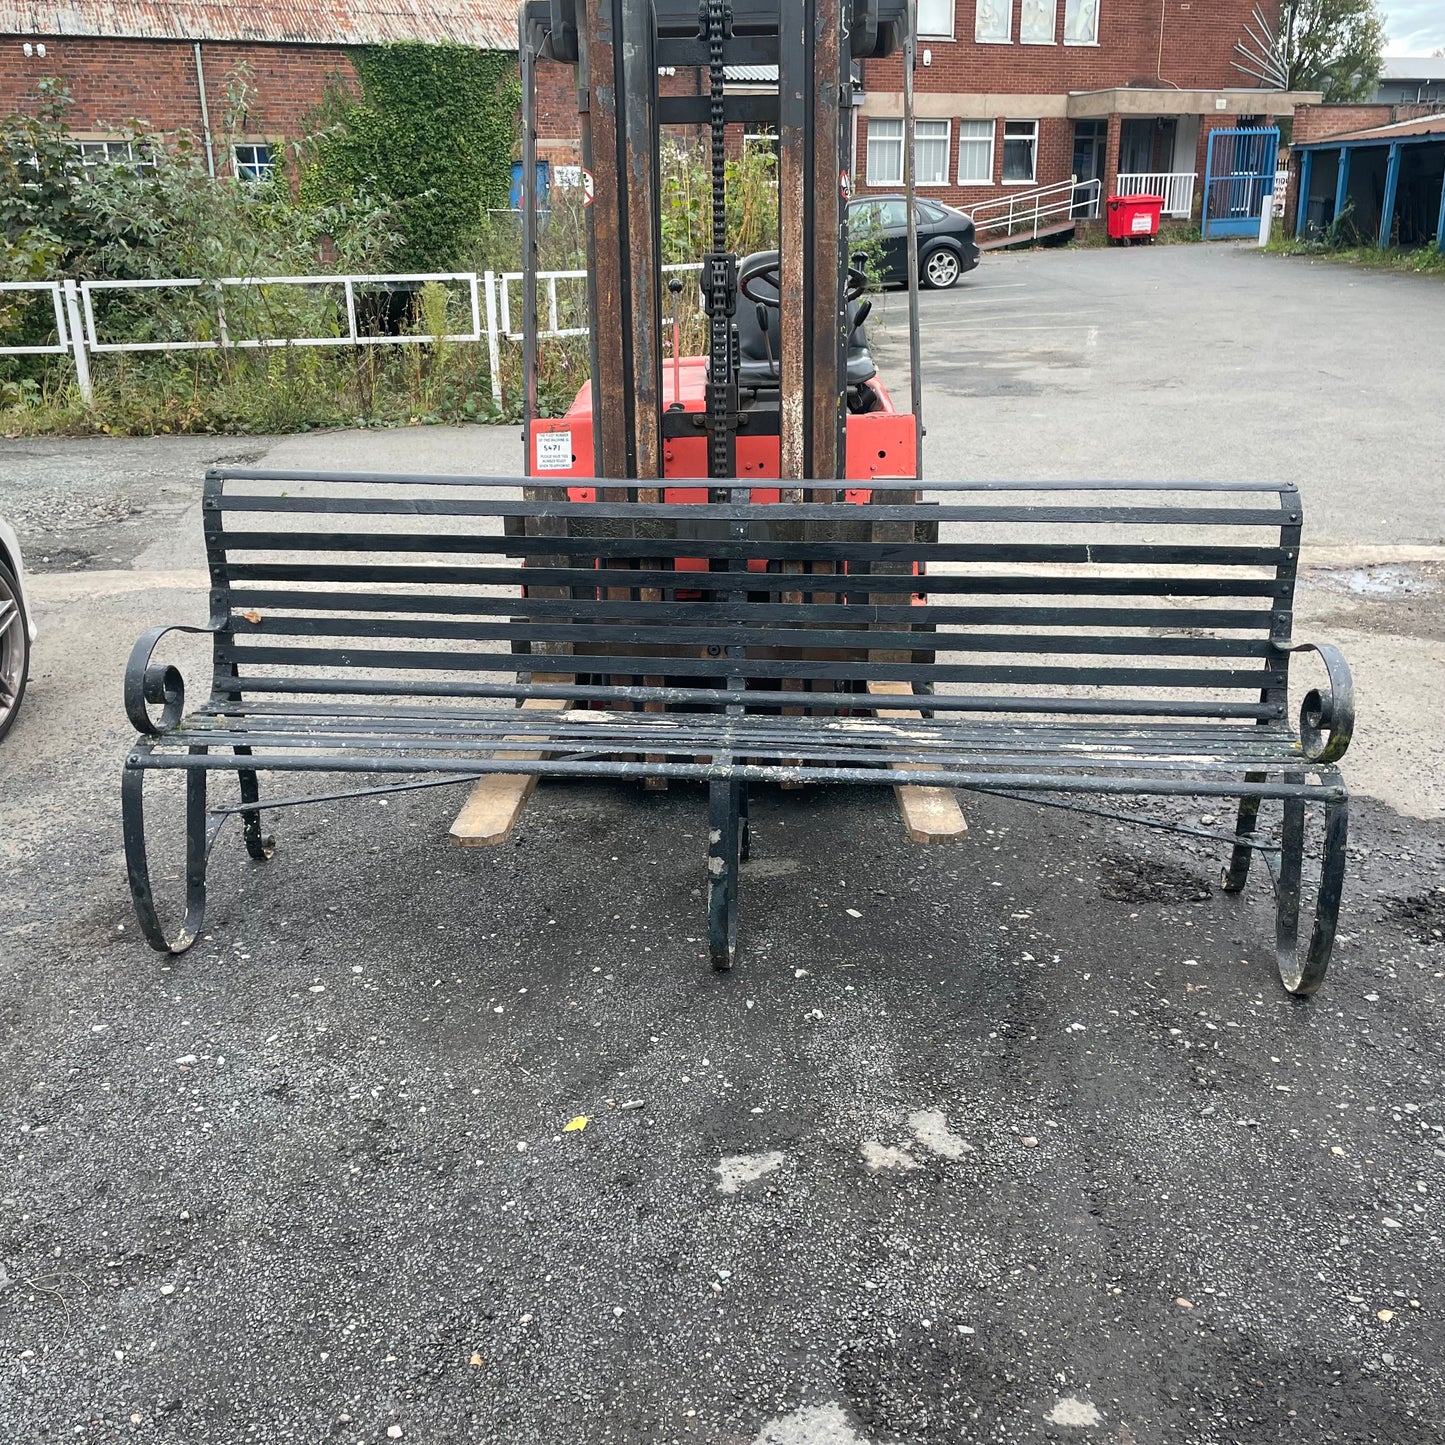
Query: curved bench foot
{"points": [[1302, 976], [724, 849], [200, 835]]}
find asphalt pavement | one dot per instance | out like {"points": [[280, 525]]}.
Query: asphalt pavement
{"points": [[1013, 1141]]}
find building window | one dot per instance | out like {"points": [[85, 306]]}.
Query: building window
{"points": [[930, 151], [1081, 22], [1036, 22], [763, 140], [975, 152], [935, 19], [253, 162], [1020, 150], [885, 152], [992, 21], [96, 153]]}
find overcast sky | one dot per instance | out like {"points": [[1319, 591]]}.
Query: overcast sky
{"points": [[1415, 27]]}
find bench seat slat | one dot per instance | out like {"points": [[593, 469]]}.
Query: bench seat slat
{"points": [[1186, 785]]}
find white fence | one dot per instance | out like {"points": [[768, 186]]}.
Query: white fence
{"points": [[487, 299], [1174, 188], [1030, 213]]}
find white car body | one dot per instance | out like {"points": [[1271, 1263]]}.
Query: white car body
{"points": [[10, 552]]}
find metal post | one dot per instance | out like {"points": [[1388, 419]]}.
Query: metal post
{"points": [[794, 94], [910, 182], [1302, 195], [611, 388], [1342, 183], [1392, 183], [205, 114], [529, 247], [1440, 222], [832, 87], [350, 311], [494, 342], [77, 343]]}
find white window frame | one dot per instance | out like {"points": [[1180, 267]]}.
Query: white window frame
{"points": [[926, 34], [1007, 37], [111, 151], [1033, 179], [1095, 40], [973, 140], [876, 132], [253, 172], [946, 138], [1053, 26]]}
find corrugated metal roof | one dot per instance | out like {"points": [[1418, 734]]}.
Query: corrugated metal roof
{"points": [[1413, 67], [487, 24], [1427, 125]]}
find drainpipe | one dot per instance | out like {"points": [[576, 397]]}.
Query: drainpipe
{"points": [[205, 114]]}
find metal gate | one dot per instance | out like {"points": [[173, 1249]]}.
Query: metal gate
{"points": [[1238, 175]]}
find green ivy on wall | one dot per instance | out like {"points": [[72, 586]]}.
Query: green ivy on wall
{"points": [[432, 131]]}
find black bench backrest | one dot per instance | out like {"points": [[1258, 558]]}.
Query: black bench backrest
{"points": [[1131, 599]]}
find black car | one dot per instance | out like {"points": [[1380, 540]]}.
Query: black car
{"points": [[946, 244]]}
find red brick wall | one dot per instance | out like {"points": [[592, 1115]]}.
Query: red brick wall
{"points": [[115, 82], [1198, 45], [1315, 122]]}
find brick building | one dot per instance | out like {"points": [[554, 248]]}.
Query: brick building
{"points": [[1019, 93], [1011, 93], [168, 65]]}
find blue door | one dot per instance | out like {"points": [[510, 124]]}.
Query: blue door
{"points": [[1238, 177], [543, 180]]}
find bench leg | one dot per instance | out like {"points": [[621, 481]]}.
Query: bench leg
{"points": [[724, 832], [1303, 977], [1236, 872], [200, 835], [260, 846]]}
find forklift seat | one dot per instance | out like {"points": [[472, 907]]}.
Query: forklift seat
{"points": [[754, 345]]}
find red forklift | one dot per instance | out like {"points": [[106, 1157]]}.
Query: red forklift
{"points": [[788, 388]]}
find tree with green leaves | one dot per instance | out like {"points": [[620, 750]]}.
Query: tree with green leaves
{"points": [[1334, 46]]}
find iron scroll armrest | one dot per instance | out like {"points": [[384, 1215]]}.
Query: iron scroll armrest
{"points": [[1327, 716], [150, 683]]}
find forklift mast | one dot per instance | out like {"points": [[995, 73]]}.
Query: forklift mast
{"points": [[804, 304]]}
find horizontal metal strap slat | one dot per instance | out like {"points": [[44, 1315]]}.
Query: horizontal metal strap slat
{"points": [[888, 777], [725, 548], [1213, 733], [720, 730], [453, 479], [765, 513], [857, 584], [351, 686], [807, 751], [584, 631], [606, 609], [755, 667]]}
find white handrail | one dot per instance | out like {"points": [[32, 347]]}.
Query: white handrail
{"points": [[1030, 211], [1174, 188]]}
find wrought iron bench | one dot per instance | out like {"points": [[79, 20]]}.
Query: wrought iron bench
{"points": [[1075, 643]]}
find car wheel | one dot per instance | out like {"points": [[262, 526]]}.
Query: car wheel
{"points": [[940, 269], [14, 649]]}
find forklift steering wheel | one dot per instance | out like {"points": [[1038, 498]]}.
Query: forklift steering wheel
{"points": [[856, 284]]}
